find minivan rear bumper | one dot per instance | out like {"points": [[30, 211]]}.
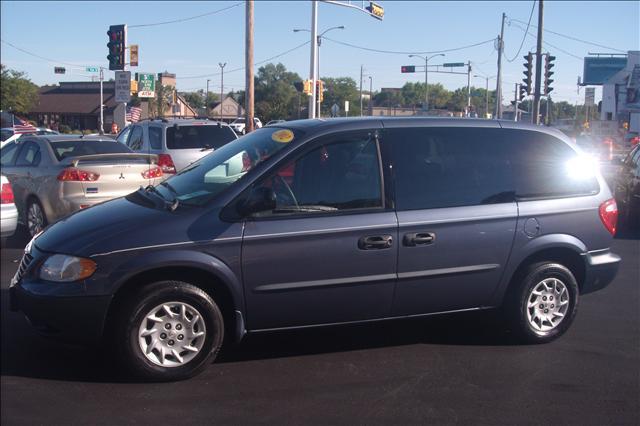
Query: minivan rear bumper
{"points": [[601, 268]]}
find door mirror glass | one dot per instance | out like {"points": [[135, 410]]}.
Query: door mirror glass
{"points": [[260, 199]]}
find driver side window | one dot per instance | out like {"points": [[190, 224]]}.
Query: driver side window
{"points": [[341, 175]]}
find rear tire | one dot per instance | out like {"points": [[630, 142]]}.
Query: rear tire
{"points": [[543, 303], [36, 219], [170, 330]]}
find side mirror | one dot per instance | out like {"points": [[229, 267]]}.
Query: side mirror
{"points": [[259, 200]]}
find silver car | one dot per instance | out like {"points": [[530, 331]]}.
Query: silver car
{"points": [[8, 211], [176, 142], [53, 176]]}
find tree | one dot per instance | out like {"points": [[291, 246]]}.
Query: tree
{"points": [[340, 89], [17, 93], [194, 99], [275, 94]]}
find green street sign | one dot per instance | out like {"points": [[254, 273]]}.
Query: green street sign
{"points": [[454, 64], [91, 69], [146, 85]]}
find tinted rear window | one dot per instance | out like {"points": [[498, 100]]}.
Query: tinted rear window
{"points": [[192, 137], [66, 149]]}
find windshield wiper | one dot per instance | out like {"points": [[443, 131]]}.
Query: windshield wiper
{"points": [[206, 147], [304, 209], [171, 205]]}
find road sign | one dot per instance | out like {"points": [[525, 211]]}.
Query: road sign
{"points": [[146, 85], [123, 86], [91, 69], [346, 106], [599, 70], [407, 68], [133, 55], [454, 64], [59, 70], [589, 96]]}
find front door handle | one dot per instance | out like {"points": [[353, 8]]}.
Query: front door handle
{"points": [[419, 239], [375, 242]]}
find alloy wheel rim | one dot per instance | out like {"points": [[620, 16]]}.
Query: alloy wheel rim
{"points": [[35, 219], [547, 305], [172, 334]]}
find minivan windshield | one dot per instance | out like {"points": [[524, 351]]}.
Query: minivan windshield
{"points": [[198, 136], [207, 177]]}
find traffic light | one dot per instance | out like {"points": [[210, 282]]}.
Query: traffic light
{"points": [[407, 68], [133, 55], [548, 64], [319, 90], [523, 92], [307, 87], [117, 44], [375, 10], [528, 72]]}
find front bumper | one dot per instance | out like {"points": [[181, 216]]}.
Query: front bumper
{"points": [[601, 268]]}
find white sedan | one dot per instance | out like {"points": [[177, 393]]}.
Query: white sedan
{"points": [[8, 210]]}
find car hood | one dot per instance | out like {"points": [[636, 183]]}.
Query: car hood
{"points": [[113, 225]]}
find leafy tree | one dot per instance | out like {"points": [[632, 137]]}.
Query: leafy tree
{"points": [[17, 93], [274, 92], [340, 89], [194, 99]]}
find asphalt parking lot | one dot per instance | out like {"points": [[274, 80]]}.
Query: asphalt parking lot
{"points": [[440, 370]]}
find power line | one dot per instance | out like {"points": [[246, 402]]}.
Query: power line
{"points": [[546, 43], [573, 38], [524, 37], [175, 21], [41, 57], [242, 68], [407, 53]]}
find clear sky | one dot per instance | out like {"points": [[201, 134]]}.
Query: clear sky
{"points": [[75, 33]]}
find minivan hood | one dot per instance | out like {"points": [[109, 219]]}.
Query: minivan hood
{"points": [[113, 225]]}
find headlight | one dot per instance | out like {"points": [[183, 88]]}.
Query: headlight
{"points": [[63, 268]]}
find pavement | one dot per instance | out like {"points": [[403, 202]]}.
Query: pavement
{"points": [[453, 369]]}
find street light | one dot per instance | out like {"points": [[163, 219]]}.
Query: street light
{"points": [[318, 43], [370, 95], [486, 107], [206, 100], [426, 76]]}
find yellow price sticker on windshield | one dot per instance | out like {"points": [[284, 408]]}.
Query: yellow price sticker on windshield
{"points": [[282, 136]]}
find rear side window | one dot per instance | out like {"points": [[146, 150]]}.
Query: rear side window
{"points": [[77, 148], [29, 155], [449, 167], [135, 140], [192, 137], [155, 137], [547, 167], [9, 154]]}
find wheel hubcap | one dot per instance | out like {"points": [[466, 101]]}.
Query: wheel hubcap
{"points": [[172, 334], [547, 304], [35, 219]]}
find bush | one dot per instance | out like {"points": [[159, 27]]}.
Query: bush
{"points": [[63, 128]]}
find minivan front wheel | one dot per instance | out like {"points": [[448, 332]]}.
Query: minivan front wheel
{"points": [[544, 303], [171, 331]]}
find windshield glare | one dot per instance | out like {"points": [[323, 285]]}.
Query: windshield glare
{"points": [[209, 176]]}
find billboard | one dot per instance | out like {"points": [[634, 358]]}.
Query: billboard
{"points": [[600, 69]]}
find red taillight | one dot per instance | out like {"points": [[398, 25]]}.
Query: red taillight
{"points": [[154, 172], [77, 175], [609, 215], [7, 194], [166, 163], [635, 141]]}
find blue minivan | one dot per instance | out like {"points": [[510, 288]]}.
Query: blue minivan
{"points": [[321, 222]]}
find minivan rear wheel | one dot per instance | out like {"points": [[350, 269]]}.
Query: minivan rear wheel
{"points": [[171, 330], [542, 306]]}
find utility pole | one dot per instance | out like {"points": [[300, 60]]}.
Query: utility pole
{"points": [[536, 93], [361, 72], [370, 95], [499, 78], [469, 89], [515, 104], [548, 108], [221, 85], [102, 102], [486, 102], [206, 100], [313, 69], [249, 67]]}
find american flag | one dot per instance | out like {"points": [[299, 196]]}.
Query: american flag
{"points": [[21, 126], [133, 114]]}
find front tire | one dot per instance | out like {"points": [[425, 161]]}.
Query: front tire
{"points": [[170, 330], [543, 304]]}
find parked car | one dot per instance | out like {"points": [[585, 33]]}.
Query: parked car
{"points": [[53, 176], [238, 125], [176, 142], [627, 188], [272, 122], [8, 211], [309, 225]]}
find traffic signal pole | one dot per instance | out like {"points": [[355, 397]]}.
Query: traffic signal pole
{"points": [[249, 126], [102, 102], [515, 104], [313, 69], [536, 93]]}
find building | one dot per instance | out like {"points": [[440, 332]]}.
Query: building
{"points": [[227, 110]]}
